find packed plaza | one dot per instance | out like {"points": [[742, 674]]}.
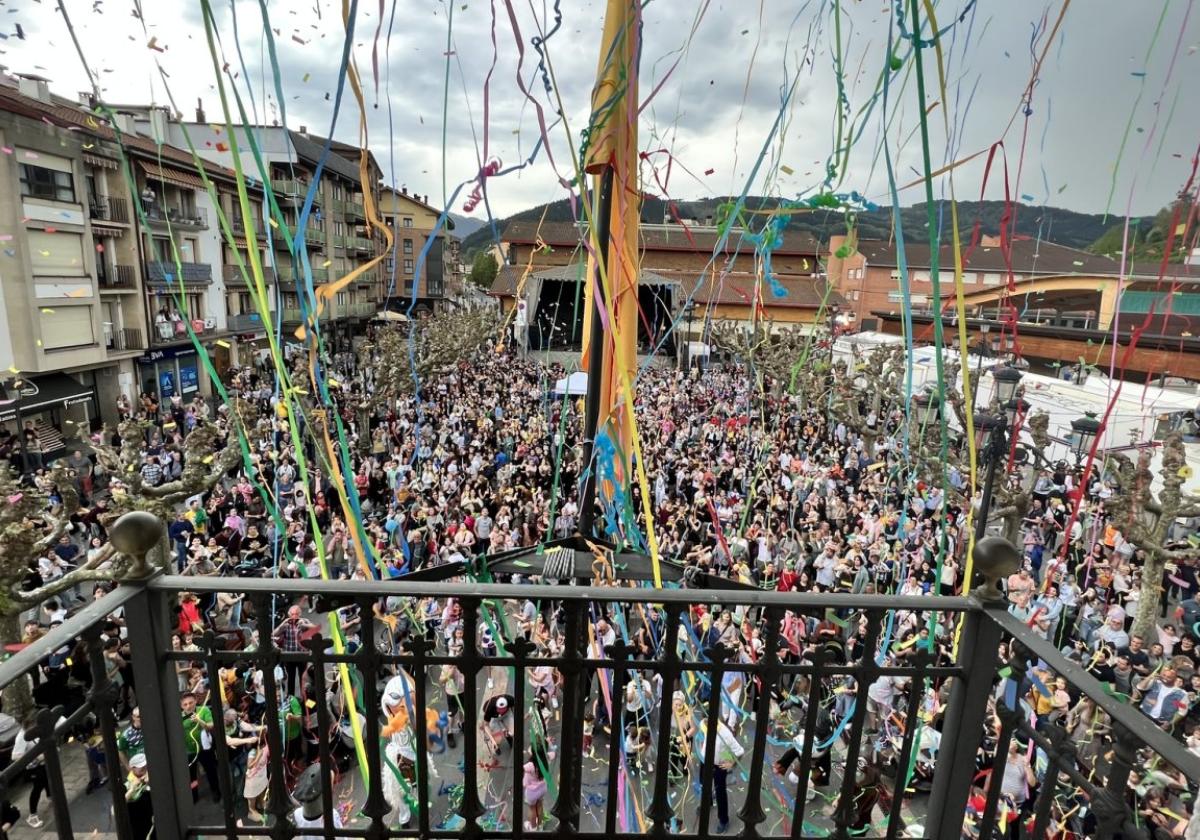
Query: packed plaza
{"points": [[745, 484]]}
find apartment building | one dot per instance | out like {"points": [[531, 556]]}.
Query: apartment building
{"points": [[72, 323], [337, 238], [437, 282]]}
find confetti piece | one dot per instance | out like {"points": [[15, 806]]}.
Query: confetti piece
{"points": [[307, 76], [153, 44], [47, 311], [32, 155], [1077, 262], [45, 253], [208, 459], [6, 149], [522, 564], [786, 170], [1027, 197], [223, 343], [51, 230], [69, 662], [273, 223], [12, 500], [1138, 74], [327, 263], [709, 171], [311, 704], [5, 237]]}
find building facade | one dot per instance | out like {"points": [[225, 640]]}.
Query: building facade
{"points": [[72, 323], [435, 282], [545, 267]]}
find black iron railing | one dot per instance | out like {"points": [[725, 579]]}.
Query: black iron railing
{"points": [[817, 685], [124, 339], [108, 208]]}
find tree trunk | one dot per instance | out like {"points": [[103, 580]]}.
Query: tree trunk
{"points": [[18, 695], [1150, 597]]}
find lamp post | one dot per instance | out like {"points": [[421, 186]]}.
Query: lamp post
{"points": [[928, 408], [14, 398], [1007, 378], [689, 309], [994, 448], [985, 352], [1086, 428]]}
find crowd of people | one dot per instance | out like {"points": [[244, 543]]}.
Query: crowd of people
{"points": [[746, 485]]}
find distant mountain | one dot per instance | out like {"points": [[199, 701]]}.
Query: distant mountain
{"points": [[1055, 224], [464, 226]]}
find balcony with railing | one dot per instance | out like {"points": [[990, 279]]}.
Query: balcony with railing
{"points": [[246, 322], [124, 340], [909, 770], [116, 278], [292, 191], [232, 275], [192, 218], [170, 273], [108, 208], [288, 274]]}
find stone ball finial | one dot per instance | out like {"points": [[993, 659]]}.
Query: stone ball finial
{"points": [[995, 558], [134, 534]]}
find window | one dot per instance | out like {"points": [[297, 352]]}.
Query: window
{"points": [[342, 298], [195, 307], [969, 278], [56, 254], [408, 246], [160, 247], [408, 266], [991, 279], [920, 276], [66, 326], [407, 221], [40, 182]]}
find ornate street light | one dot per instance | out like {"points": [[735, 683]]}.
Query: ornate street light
{"points": [[993, 447], [1086, 428], [929, 409], [1007, 379]]}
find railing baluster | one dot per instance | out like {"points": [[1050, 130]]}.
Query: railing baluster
{"points": [[618, 652], [366, 658], [267, 657], [1110, 804], [1010, 717], [912, 722], [712, 734], [224, 770], [570, 777], [471, 809], [1045, 799], [660, 808], [768, 671], [148, 624], [966, 715], [863, 677], [317, 646], [102, 698], [48, 744], [419, 649], [804, 773], [519, 649]]}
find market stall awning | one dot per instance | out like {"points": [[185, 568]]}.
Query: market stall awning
{"points": [[32, 394], [575, 384]]}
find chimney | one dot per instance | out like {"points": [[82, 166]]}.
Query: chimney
{"points": [[87, 98], [159, 119], [404, 190], [200, 110], [708, 221], [425, 198], [304, 130], [35, 87]]}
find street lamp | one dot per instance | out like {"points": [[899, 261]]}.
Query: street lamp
{"points": [[993, 448], [928, 408], [1007, 379], [1015, 408], [688, 308], [1086, 428]]}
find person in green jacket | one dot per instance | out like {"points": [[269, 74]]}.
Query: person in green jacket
{"points": [[197, 738]]}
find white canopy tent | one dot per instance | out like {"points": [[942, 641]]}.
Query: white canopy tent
{"points": [[575, 385]]}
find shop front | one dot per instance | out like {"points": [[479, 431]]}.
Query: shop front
{"points": [[170, 372], [57, 407]]}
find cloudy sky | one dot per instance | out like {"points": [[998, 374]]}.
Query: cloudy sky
{"points": [[1112, 64]]}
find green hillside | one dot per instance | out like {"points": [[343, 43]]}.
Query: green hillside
{"points": [[1065, 227]]}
